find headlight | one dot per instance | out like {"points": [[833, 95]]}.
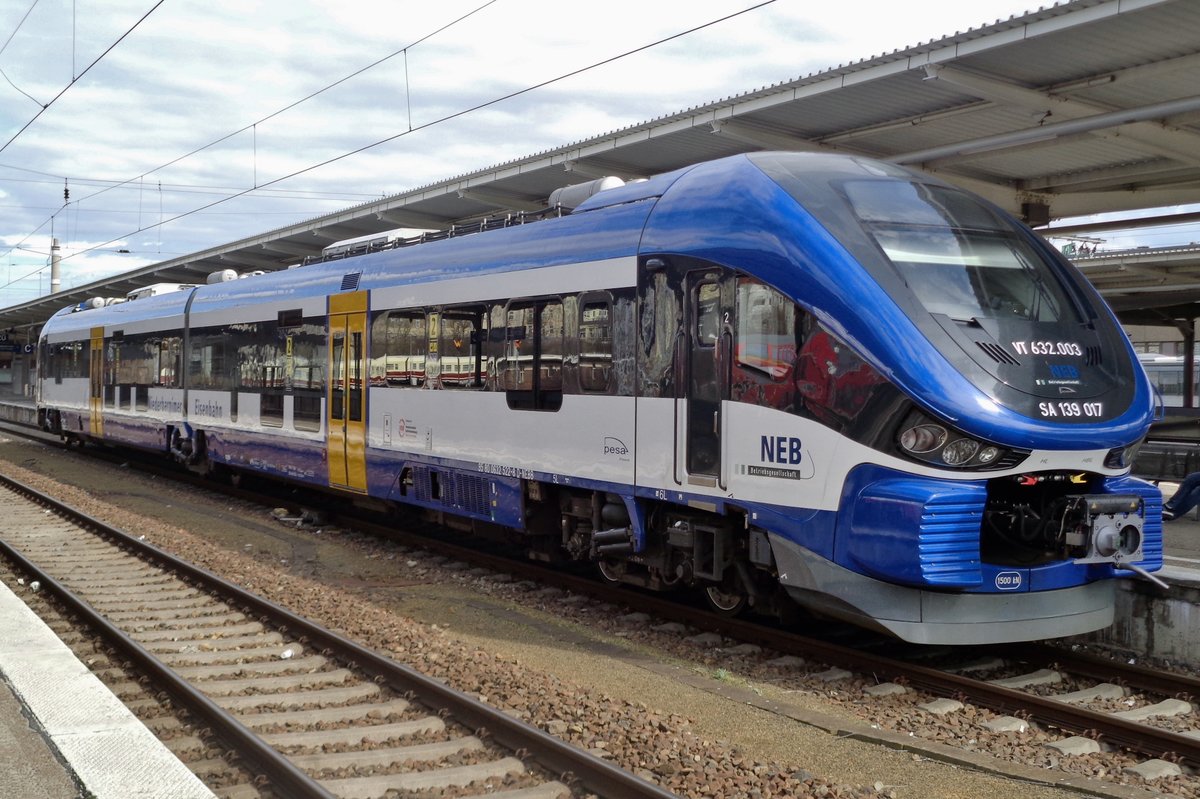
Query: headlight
{"points": [[924, 439], [959, 451]]}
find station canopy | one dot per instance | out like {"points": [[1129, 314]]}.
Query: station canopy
{"points": [[1082, 108]]}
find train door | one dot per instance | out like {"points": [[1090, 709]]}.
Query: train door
{"points": [[96, 383], [707, 342], [347, 396]]}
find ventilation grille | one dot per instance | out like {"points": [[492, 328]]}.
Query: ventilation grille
{"points": [[997, 353], [350, 281], [1093, 355], [423, 484], [467, 492], [948, 539], [1012, 458]]}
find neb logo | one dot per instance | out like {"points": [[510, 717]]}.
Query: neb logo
{"points": [[1064, 371], [780, 449]]}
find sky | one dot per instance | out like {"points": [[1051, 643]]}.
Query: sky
{"points": [[179, 125]]}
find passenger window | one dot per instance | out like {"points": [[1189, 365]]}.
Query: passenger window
{"points": [[169, 357], [595, 347], [379, 350], [138, 368], [460, 351], [407, 342], [306, 412], [305, 355], [270, 409], [68, 360], [433, 356], [516, 366], [551, 347], [398, 341], [833, 385], [207, 364], [531, 367]]}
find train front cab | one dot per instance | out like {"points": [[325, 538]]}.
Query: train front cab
{"points": [[783, 460]]}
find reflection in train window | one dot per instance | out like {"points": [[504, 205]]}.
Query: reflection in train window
{"points": [[708, 314], [531, 366], [595, 347], [398, 343], [461, 356]]}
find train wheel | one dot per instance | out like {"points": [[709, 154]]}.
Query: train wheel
{"points": [[724, 601], [610, 570]]}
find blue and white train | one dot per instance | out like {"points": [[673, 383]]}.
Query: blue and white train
{"points": [[773, 375]]}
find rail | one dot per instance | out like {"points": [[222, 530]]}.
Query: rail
{"points": [[552, 754]]}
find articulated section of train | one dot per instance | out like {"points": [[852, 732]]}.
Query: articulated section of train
{"points": [[775, 377]]}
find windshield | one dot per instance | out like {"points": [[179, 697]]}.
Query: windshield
{"points": [[958, 257]]}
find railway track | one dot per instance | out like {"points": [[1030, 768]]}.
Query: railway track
{"points": [[1092, 702], [311, 713], [1097, 703], [1152, 714], [1145, 711]]}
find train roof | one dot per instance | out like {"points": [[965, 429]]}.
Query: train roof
{"points": [[584, 235]]}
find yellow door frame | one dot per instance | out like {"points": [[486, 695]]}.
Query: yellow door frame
{"points": [[96, 383], [346, 393]]}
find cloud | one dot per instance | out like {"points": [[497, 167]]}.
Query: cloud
{"points": [[197, 71]]}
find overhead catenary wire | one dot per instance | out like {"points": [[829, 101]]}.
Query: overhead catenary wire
{"points": [[180, 188], [5, 47], [76, 78], [439, 121], [252, 126], [411, 129], [7, 41]]}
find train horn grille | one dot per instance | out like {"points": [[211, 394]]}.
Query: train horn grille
{"points": [[997, 353]]}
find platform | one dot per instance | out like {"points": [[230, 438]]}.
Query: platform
{"points": [[20, 410], [63, 734]]}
